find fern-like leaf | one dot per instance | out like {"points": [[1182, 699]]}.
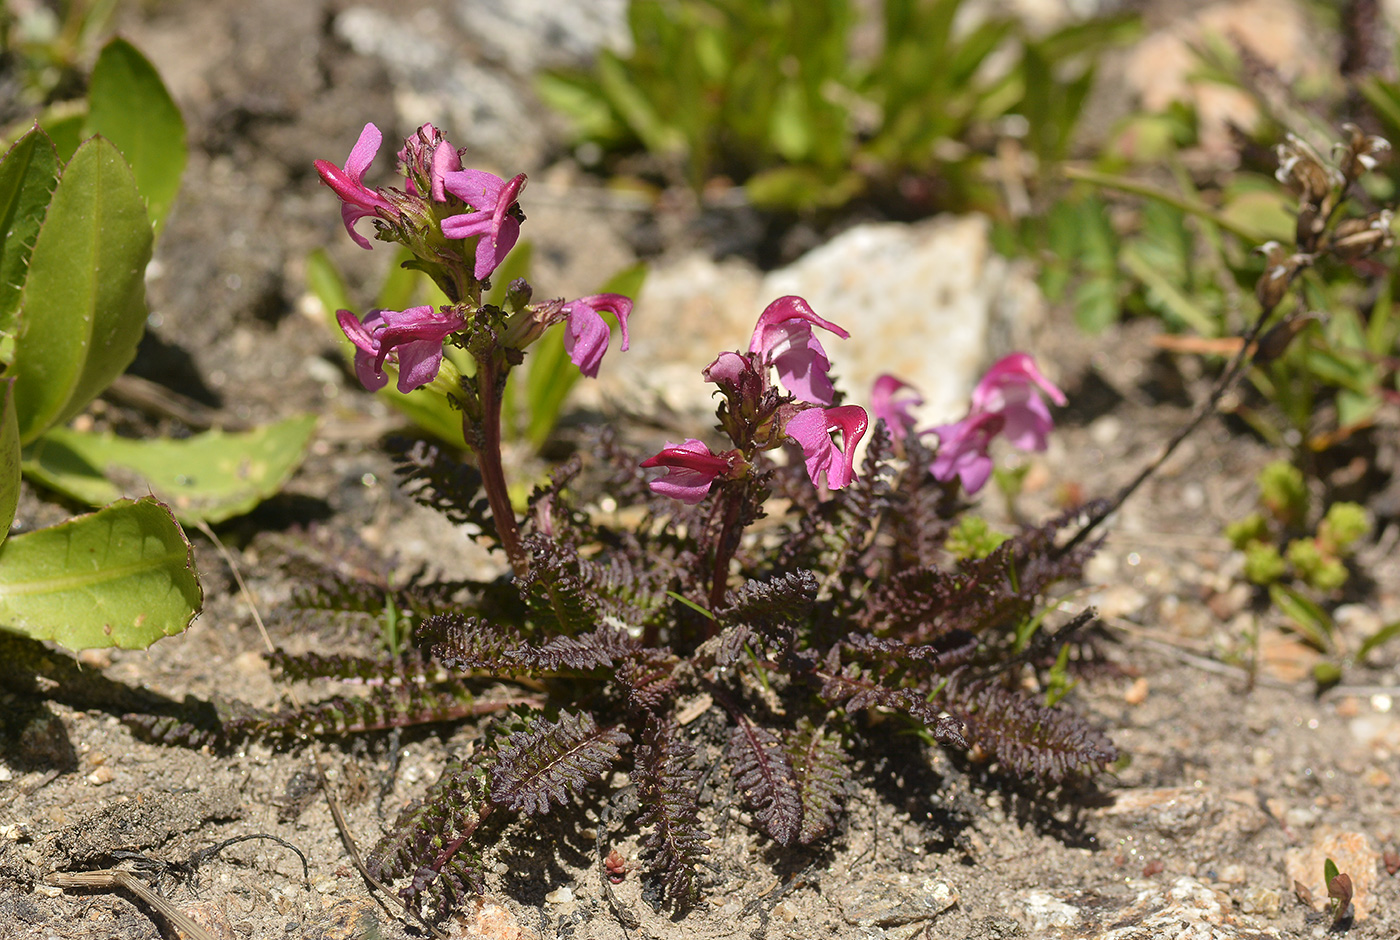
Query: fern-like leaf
{"points": [[764, 775], [430, 844], [1028, 738], [548, 760], [669, 789], [440, 481], [821, 767]]}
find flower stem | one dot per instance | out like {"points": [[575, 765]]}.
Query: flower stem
{"points": [[493, 477], [727, 541]]}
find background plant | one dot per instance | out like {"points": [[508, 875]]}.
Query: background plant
{"points": [[81, 211], [781, 98]]}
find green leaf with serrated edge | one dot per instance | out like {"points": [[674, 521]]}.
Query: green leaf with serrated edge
{"points": [[123, 576], [9, 459], [83, 307], [209, 477], [28, 175], [129, 105]]}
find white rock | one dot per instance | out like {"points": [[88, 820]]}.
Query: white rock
{"points": [[930, 303]]}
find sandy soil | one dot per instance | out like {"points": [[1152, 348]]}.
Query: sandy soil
{"points": [[1226, 779]]}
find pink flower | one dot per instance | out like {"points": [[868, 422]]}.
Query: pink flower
{"points": [[492, 198], [426, 155], [690, 469], [812, 427], [356, 199], [783, 338], [894, 412], [414, 336], [962, 450], [586, 334], [1011, 388]]}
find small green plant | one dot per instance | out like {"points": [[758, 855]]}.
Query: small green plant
{"points": [[1301, 568], [778, 96], [1339, 892]]}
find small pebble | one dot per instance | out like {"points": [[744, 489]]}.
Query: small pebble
{"points": [[1264, 902], [560, 895], [100, 776]]}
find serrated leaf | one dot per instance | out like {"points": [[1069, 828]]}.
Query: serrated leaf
{"points": [[209, 477], [123, 576], [28, 175], [129, 105], [83, 307], [9, 459]]}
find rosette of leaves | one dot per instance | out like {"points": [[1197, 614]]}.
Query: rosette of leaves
{"points": [[597, 662]]}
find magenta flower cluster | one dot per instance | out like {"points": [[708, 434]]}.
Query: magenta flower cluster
{"points": [[442, 200], [1007, 402], [782, 341]]}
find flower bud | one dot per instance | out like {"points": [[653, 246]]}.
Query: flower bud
{"points": [[1303, 172], [1276, 341], [1357, 238], [1360, 154], [1278, 273]]}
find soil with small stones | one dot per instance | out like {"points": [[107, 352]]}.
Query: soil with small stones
{"points": [[1232, 759]]}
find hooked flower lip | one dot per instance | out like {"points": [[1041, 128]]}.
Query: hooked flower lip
{"points": [[783, 338], [492, 198], [690, 469], [811, 428], [586, 333], [1012, 388], [357, 200], [895, 412], [414, 336]]}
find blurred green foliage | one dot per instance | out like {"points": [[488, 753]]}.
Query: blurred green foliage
{"points": [[808, 106], [1303, 567], [1148, 236], [49, 44]]}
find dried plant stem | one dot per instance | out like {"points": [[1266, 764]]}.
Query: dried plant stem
{"points": [[125, 880], [1223, 384]]}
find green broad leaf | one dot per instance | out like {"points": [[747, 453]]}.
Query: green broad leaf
{"points": [[208, 478], [802, 187], [83, 307], [63, 123], [1096, 304], [9, 460], [123, 576], [129, 105], [28, 175], [1260, 210]]}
